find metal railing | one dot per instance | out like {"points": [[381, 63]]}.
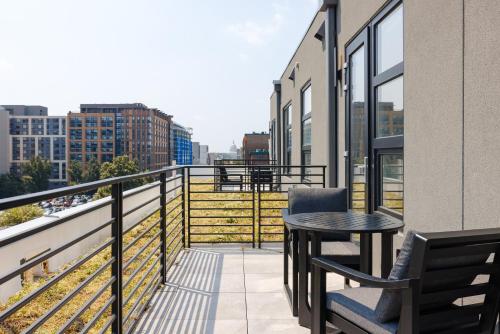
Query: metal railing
{"points": [[242, 203], [136, 239], [133, 260]]}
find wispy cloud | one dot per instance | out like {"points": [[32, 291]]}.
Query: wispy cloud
{"points": [[259, 33]]}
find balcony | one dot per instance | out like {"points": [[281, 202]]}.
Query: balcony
{"points": [[192, 249]]}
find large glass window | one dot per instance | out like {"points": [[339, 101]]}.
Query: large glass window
{"points": [[91, 122], [75, 134], [287, 136], [306, 131], [16, 148], [91, 134], [59, 148], [376, 163], [29, 149], [389, 108], [19, 126], [389, 40], [52, 126], [75, 122]]}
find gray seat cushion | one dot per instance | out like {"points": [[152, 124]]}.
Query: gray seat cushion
{"points": [[308, 200], [358, 306]]}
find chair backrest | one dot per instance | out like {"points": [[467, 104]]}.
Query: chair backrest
{"points": [[452, 266], [223, 173], [307, 200]]}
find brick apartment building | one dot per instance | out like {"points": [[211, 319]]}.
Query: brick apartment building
{"points": [[255, 146], [104, 131]]}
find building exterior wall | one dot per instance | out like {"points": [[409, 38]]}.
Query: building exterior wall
{"points": [[28, 132], [204, 155], [181, 145], [451, 117], [255, 146], [196, 153]]}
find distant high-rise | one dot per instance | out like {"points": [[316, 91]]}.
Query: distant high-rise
{"points": [[27, 132], [181, 145], [104, 131]]}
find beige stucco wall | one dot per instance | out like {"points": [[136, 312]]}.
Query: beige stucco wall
{"points": [[309, 62], [482, 114], [433, 114]]}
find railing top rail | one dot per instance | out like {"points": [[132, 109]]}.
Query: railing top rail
{"points": [[252, 166], [16, 201]]}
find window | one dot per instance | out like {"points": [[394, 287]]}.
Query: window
{"points": [[59, 148], [29, 149], [106, 134], [106, 121], [75, 134], [375, 127], [55, 171], [91, 134], [287, 137], [44, 147], [306, 109], [75, 122], [37, 126], [16, 148], [91, 146], [52, 126], [19, 126], [91, 122]]}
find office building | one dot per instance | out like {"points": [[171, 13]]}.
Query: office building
{"points": [[181, 145], [105, 131], [27, 132]]}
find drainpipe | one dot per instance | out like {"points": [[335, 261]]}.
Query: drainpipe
{"points": [[277, 90], [330, 9]]}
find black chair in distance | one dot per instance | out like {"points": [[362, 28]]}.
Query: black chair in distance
{"points": [[447, 282], [335, 246]]}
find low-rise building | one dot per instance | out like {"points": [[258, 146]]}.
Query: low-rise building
{"points": [[27, 132], [255, 146]]}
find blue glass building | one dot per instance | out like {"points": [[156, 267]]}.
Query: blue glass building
{"points": [[181, 144]]}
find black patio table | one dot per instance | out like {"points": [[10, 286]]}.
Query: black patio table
{"points": [[316, 223]]}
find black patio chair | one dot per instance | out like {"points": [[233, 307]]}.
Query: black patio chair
{"points": [[446, 282], [335, 246], [261, 177], [230, 179]]}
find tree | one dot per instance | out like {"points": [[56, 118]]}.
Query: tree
{"points": [[93, 172], [36, 174], [19, 215], [75, 172], [10, 185], [120, 166]]}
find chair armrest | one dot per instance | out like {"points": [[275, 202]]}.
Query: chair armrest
{"points": [[284, 213], [362, 278]]}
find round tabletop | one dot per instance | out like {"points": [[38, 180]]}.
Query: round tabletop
{"points": [[350, 221]]}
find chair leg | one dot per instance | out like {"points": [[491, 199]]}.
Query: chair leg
{"points": [[318, 301], [295, 273]]}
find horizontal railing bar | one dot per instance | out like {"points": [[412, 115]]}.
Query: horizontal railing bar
{"points": [[173, 199], [274, 200], [271, 225], [142, 220], [139, 283], [221, 200], [136, 239], [98, 315], [222, 241], [171, 254], [145, 304], [40, 321], [221, 192], [273, 208], [26, 299], [38, 260], [85, 306], [141, 265], [142, 205], [173, 219], [179, 223], [16, 201], [173, 209], [248, 208], [132, 259], [173, 239], [222, 225], [271, 216], [219, 217], [222, 233], [54, 223], [146, 290], [271, 233], [108, 323], [173, 189], [141, 189]]}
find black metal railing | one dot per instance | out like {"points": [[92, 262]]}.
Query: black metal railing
{"points": [[137, 238], [132, 261], [242, 203]]}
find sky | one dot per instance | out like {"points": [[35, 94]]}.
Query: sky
{"points": [[210, 64]]}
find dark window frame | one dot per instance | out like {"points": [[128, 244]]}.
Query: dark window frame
{"points": [[376, 147], [287, 131], [304, 149]]}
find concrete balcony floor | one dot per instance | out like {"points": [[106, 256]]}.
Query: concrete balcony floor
{"points": [[225, 289]]}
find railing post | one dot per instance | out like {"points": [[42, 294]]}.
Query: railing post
{"points": [[258, 203], [116, 252], [324, 177], [188, 204], [163, 225], [183, 207]]}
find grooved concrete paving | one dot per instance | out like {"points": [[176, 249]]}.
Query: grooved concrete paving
{"points": [[224, 289]]}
